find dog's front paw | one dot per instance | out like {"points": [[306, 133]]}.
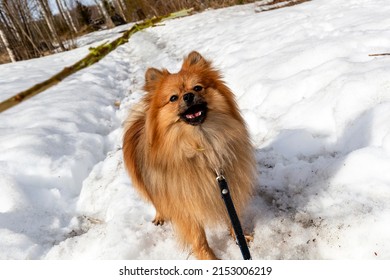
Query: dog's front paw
{"points": [[158, 220], [249, 237]]}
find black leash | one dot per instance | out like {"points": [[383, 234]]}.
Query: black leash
{"points": [[233, 216]]}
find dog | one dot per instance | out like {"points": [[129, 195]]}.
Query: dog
{"points": [[186, 128]]}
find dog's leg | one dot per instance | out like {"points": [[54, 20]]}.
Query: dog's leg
{"points": [[193, 234], [200, 246]]}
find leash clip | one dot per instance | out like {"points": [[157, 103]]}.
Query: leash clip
{"points": [[219, 177]]}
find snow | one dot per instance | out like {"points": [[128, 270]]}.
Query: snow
{"points": [[316, 104]]}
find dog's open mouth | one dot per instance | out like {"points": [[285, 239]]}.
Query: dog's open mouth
{"points": [[195, 114]]}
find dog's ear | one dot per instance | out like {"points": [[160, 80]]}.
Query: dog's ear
{"points": [[152, 77], [195, 59]]}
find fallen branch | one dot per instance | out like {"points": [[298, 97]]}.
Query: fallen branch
{"points": [[94, 56], [379, 54], [268, 5]]}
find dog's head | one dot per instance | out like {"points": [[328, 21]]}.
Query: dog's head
{"points": [[181, 96], [194, 97], [187, 96]]}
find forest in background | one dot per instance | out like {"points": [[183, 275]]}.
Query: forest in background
{"points": [[31, 28]]}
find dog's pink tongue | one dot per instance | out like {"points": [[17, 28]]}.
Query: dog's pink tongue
{"points": [[193, 116]]}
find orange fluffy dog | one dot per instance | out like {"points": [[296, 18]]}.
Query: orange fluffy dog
{"points": [[185, 128]]}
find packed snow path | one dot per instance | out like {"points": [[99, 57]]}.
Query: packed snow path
{"points": [[317, 106]]}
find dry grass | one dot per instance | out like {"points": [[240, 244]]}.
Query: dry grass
{"points": [[4, 58]]}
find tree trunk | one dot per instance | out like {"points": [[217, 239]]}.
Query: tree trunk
{"points": [[66, 16], [62, 15], [122, 9], [74, 21], [7, 46], [50, 22], [106, 16]]}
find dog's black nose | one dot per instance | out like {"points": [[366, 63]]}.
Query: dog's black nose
{"points": [[188, 98]]}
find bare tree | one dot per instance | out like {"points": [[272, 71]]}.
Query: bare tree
{"points": [[16, 19], [105, 13], [69, 6], [66, 16], [24, 32], [4, 40], [122, 9], [48, 16]]}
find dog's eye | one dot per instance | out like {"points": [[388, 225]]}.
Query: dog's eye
{"points": [[173, 98], [198, 88]]}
